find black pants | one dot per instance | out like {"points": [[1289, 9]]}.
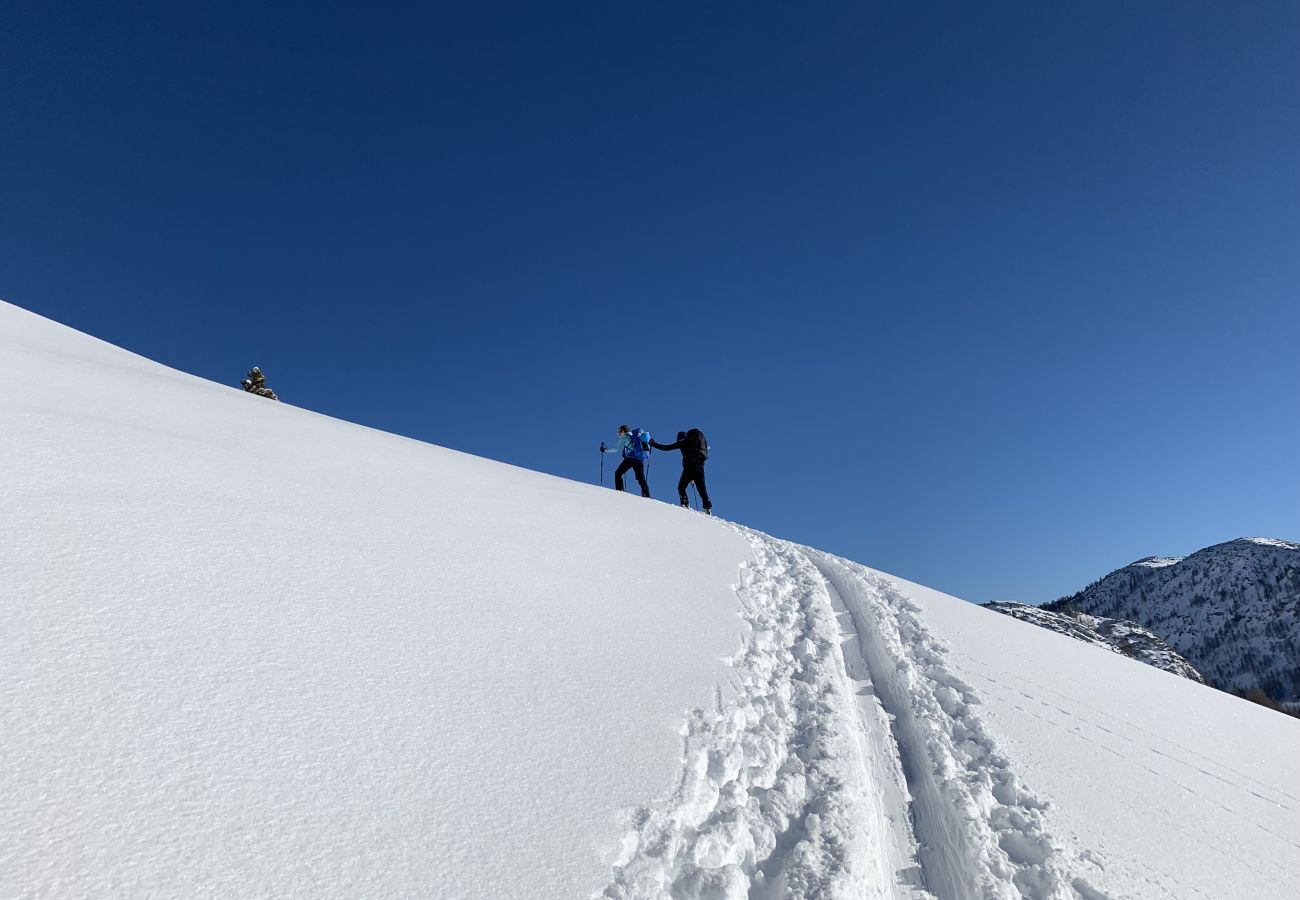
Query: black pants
{"points": [[638, 469], [693, 472]]}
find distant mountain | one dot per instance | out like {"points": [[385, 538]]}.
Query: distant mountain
{"points": [[1233, 610], [1127, 638]]}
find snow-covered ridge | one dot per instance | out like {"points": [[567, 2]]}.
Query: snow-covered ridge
{"points": [[1272, 542], [1157, 562], [1232, 610], [1127, 638], [263, 664]]}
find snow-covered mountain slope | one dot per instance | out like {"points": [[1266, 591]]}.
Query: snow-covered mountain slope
{"points": [[249, 650], [1117, 635], [1152, 785], [1233, 610], [253, 651]]}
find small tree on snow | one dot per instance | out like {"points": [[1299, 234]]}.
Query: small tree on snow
{"points": [[255, 383]]}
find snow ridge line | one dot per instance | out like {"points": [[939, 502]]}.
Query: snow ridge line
{"points": [[982, 833], [774, 799]]}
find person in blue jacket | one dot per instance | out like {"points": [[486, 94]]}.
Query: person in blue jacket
{"points": [[634, 447]]}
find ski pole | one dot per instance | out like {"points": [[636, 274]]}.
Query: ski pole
{"points": [[602, 463]]}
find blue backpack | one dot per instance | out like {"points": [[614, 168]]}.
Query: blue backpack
{"points": [[638, 445]]}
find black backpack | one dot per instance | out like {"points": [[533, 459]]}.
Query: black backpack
{"points": [[696, 446]]}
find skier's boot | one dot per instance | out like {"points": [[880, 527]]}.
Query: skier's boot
{"points": [[708, 510]]}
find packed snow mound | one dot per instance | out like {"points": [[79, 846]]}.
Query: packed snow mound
{"points": [[1116, 635], [1233, 610], [253, 651]]}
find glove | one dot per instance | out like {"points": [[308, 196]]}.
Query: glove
{"points": [[603, 448]]}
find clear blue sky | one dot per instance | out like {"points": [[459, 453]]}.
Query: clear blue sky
{"points": [[997, 297]]}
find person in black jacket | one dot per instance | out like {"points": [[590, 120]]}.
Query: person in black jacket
{"points": [[695, 451]]}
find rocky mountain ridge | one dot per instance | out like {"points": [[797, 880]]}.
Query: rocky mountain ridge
{"points": [[1126, 638], [1232, 610]]}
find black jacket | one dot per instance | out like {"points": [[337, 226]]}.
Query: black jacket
{"points": [[690, 453]]}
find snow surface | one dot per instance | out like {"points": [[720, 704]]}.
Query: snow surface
{"points": [[253, 651], [249, 650], [1273, 542], [1158, 786], [1158, 562]]}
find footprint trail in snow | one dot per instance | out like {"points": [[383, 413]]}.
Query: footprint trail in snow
{"points": [[845, 760]]}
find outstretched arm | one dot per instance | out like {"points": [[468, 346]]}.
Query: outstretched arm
{"points": [[676, 445]]}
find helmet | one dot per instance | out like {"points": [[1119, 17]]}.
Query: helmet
{"points": [[257, 370]]}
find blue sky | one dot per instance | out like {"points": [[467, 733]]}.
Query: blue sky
{"points": [[996, 297]]}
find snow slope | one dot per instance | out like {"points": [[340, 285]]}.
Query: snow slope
{"points": [[253, 651], [1156, 787], [950, 751]]}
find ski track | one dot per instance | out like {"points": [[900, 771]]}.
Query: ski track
{"points": [[774, 799], [982, 833], [845, 760]]}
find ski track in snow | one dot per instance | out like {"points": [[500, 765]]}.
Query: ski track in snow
{"points": [[773, 801], [846, 760], [982, 833]]}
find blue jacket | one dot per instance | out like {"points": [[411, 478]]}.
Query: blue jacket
{"points": [[625, 450]]}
